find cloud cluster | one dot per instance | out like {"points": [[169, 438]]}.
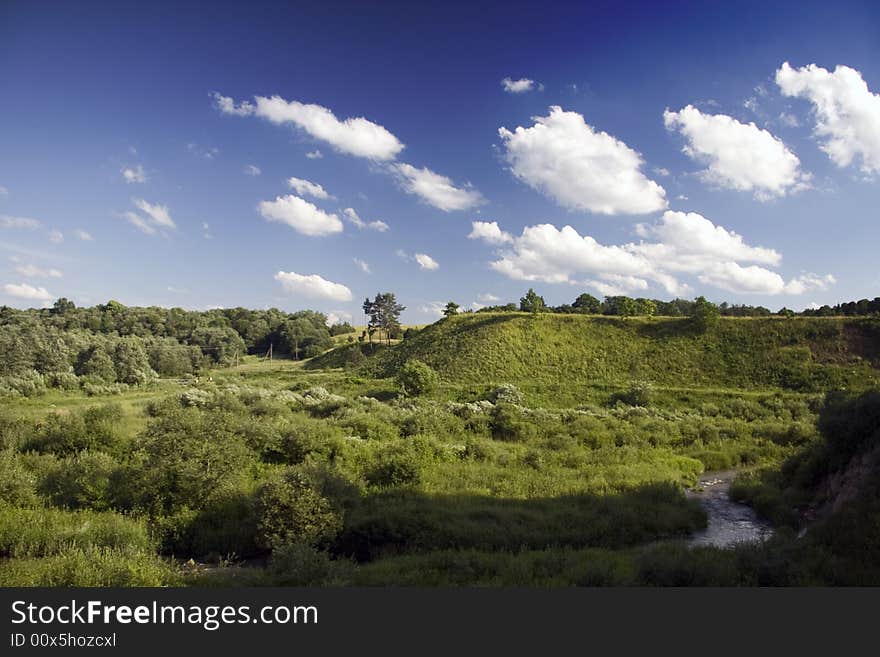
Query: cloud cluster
{"points": [[426, 262], [580, 168], [361, 138], [847, 113], [737, 155], [489, 232], [677, 244], [312, 286]]}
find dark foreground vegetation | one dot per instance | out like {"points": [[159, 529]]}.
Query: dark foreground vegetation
{"points": [[146, 447]]}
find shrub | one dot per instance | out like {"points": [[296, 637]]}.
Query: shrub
{"points": [[401, 469], [507, 393], [80, 481], [300, 564], [417, 378], [17, 484], [638, 394], [289, 510]]}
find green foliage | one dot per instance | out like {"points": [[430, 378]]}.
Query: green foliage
{"points": [[290, 510], [704, 314], [417, 378], [81, 481], [532, 302], [79, 567]]}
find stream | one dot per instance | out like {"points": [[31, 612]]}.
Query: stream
{"points": [[729, 522]]}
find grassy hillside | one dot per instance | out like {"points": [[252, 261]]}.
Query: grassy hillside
{"points": [[561, 350]]}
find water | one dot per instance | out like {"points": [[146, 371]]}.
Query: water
{"points": [[729, 522]]}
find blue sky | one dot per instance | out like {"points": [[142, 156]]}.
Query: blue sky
{"points": [[147, 152]]}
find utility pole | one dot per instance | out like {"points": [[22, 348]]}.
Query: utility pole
{"points": [[269, 353]]}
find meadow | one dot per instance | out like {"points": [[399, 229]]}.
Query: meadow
{"points": [[484, 449]]}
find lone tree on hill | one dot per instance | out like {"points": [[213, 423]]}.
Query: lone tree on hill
{"points": [[451, 309], [384, 313], [532, 303], [705, 314]]}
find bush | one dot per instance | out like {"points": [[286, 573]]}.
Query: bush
{"points": [[289, 510], [507, 393], [417, 378], [17, 483], [81, 481], [401, 469], [299, 564]]}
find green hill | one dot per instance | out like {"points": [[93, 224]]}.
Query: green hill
{"points": [[807, 354]]}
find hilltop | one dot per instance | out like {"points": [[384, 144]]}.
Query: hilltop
{"points": [[801, 353]]}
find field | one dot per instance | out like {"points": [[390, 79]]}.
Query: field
{"points": [[533, 450]]}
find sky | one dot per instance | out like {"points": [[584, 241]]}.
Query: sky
{"points": [[313, 154]]}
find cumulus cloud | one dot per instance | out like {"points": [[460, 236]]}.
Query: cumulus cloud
{"points": [[353, 136], [488, 297], [252, 170], [737, 155], [314, 155], [56, 236], [307, 188], [520, 86], [435, 189], [582, 169], [25, 291], [83, 235], [364, 267], [847, 113], [678, 244], [352, 216], [489, 232], [312, 286], [7, 221], [426, 262], [433, 308], [302, 216], [134, 174], [32, 271]]}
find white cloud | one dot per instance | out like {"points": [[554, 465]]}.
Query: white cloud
{"points": [[25, 291], [338, 317], [433, 308], [544, 253], [176, 290], [354, 136], [519, 86], [134, 174], [228, 106], [738, 156], [153, 217], [83, 235], [662, 171], [32, 271], [364, 267], [565, 158], [426, 262], [139, 222], [489, 232], [691, 234], [312, 286], [314, 155], [847, 113], [56, 236], [302, 216], [3, 191], [682, 244], [488, 297], [252, 170], [158, 214], [206, 231], [435, 189], [352, 216], [307, 188], [7, 221]]}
